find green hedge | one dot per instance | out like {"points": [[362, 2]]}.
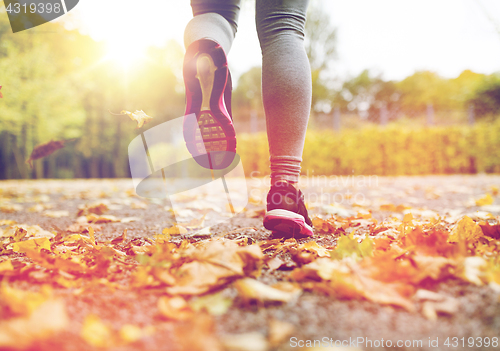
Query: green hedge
{"points": [[390, 150]]}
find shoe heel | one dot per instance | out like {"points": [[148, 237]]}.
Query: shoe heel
{"points": [[212, 133]]}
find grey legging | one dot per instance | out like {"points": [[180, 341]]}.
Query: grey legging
{"points": [[286, 73]]}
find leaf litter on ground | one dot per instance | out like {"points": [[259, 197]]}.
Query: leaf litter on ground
{"points": [[386, 262]]}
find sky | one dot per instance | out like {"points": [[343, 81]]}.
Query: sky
{"points": [[393, 38]]}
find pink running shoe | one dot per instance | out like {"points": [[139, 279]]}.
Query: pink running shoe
{"points": [[286, 212], [210, 137]]}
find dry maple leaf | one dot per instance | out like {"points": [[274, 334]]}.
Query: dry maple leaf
{"points": [[43, 150], [96, 208], [139, 116], [465, 231], [492, 231], [214, 264]]}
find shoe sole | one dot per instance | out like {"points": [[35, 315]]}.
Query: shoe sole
{"points": [[287, 222], [210, 137]]}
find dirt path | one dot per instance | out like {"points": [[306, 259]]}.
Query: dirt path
{"points": [[266, 325]]}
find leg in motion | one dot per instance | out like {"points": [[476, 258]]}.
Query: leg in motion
{"points": [[210, 136], [286, 90]]}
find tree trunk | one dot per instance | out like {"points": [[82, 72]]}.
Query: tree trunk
{"points": [[19, 158]]}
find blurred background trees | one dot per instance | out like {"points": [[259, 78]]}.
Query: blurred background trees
{"points": [[58, 84]]}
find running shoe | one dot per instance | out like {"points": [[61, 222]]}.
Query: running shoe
{"points": [[208, 127], [286, 212]]}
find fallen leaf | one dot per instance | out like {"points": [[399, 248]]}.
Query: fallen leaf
{"points": [[130, 219], [393, 208], [253, 341], [193, 224], [6, 266], [31, 244], [214, 264], [314, 247], [10, 208], [255, 212], [56, 214], [131, 333], [324, 226], [44, 150], [215, 304], [465, 231], [485, 200], [139, 116], [279, 331], [121, 239], [92, 218], [348, 246], [48, 318], [7, 222], [82, 228], [175, 230], [251, 289], [492, 231], [95, 208], [448, 306], [174, 308], [96, 333]]}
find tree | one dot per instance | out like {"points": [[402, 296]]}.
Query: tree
{"points": [[486, 99], [39, 104], [247, 97], [321, 44]]}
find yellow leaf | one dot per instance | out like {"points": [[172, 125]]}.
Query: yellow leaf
{"points": [[6, 266], [175, 230], [162, 238], [279, 331], [32, 230], [96, 208], [313, 246], [485, 200], [9, 208], [213, 264], [31, 244], [407, 218], [95, 332], [7, 222], [174, 308], [215, 304], [22, 302], [92, 218], [466, 231], [253, 341], [131, 333], [56, 214], [91, 234], [139, 116]]}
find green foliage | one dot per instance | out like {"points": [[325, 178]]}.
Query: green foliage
{"points": [[390, 150], [321, 49], [247, 97], [486, 99], [58, 84], [347, 246]]}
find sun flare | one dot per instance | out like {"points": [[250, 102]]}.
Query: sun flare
{"points": [[125, 55]]}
